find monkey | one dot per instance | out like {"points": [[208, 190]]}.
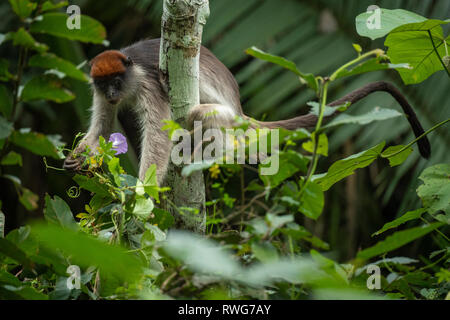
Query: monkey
{"points": [[131, 78]]}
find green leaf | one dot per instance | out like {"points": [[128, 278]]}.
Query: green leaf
{"points": [[12, 159], [163, 219], [312, 201], [290, 163], [315, 108], [10, 250], [264, 252], [397, 240], [46, 87], [390, 19], [435, 190], [305, 78], [151, 182], [142, 208], [412, 44], [6, 128], [49, 5], [398, 158], [29, 199], [23, 8], [22, 292], [38, 143], [370, 65], [58, 212], [377, 114], [346, 167], [5, 101], [85, 251], [322, 147], [55, 24], [51, 61], [115, 169], [196, 166], [409, 216], [22, 38], [92, 184]]}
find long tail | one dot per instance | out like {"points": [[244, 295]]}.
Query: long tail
{"points": [[309, 120]]}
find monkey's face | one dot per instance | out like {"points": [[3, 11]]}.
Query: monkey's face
{"points": [[111, 87]]}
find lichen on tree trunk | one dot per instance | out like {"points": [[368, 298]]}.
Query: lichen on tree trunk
{"points": [[181, 34]]}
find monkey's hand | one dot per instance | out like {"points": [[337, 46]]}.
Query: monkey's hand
{"points": [[75, 161]]}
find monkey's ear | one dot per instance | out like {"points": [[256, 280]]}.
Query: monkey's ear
{"points": [[128, 62]]}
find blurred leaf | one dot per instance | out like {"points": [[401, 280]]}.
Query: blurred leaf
{"points": [[151, 182], [312, 201], [411, 44], [46, 87], [23, 8], [275, 221], [6, 128], [390, 19], [55, 24], [408, 216], [51, 61], [435, 190], [163, 219], [398, 158], [29, 199], [58, 212], [49, 5], [346, 167], [5, 101], [24, 292], [85, 251], [377, 114], [196, 166], [10, 250], [92, 184], [37, 143], [12, 159], [370, 65], [397, 240], [22, 38], [4, 70], [264, 252], [306, 78]]}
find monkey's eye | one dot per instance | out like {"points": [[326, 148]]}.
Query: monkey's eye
{"points": [[117, 83]]}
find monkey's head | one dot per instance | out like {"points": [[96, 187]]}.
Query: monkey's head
{"points": [[109, 72]]}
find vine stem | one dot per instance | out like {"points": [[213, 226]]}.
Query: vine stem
{"points": [[437, 53], [323, 101], [417, 139]]}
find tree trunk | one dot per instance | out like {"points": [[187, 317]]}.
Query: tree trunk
{"points": [[181, 34]]}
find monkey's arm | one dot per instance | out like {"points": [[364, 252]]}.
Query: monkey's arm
{"points": [[310, 120], [102, 123]]}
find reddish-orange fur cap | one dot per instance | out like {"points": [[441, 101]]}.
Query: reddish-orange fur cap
{"points": [[108, 63]]}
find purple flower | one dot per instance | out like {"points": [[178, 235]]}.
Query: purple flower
{"points": [[119, 143]]}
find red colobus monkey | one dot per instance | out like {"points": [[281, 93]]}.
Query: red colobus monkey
{"points": [[131, 77]]}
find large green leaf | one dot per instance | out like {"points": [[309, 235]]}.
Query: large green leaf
{"points": [[55, 24], [58, 212], [306, 78], [435, 190], [92, 184], [11, 159], [47, 87], [409, 216], [399, 158], [415, 44], [377, 114], [346, 167], [142, 208], [390, 19], [86, 251], [51, 61], [289, 163], [38, 143], [10, 250], [397, 240]]}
